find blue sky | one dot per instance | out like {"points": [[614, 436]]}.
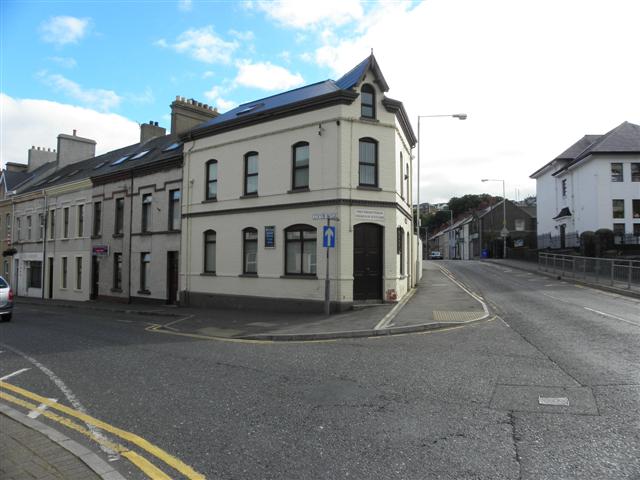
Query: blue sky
{"points": [[532, 76]]}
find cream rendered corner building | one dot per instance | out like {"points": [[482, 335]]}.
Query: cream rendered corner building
{"points": [[256, 178]]}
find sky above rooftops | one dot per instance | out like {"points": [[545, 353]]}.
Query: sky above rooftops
{"points": [[534, 77]]}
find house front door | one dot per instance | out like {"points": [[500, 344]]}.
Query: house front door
{"points": [[367, 262]]}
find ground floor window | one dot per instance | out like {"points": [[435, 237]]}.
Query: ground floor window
{"points": [[300, 250], [64, 272], [117, 271], [250, 250], [78, 273], [400, 250], [210, 251], [34, 274]]}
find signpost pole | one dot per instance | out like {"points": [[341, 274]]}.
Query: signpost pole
{"points": [[327, 303]]}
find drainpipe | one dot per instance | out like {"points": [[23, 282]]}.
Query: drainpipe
{"points": [[187, 159], [130, 236], [43, 270]]}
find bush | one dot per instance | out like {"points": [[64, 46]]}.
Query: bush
{"points": [[588, 243]]}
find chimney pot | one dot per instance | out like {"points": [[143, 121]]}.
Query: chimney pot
{"points": [[74, 132]]}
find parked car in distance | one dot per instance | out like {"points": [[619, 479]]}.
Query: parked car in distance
{"points": [[435, 256], [6, 300]]}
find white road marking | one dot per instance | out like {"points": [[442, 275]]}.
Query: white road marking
{"points": [[40, 408], [386, 320], [75, 403], [17, 372], [612, 316], [557, 401]]}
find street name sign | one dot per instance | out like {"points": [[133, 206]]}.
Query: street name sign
{"points": [[324, 216]]}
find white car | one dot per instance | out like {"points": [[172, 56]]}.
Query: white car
{"points": [[6, 300], [435, 256]]}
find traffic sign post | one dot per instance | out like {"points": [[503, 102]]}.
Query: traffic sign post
{"points": [[328, 242]]}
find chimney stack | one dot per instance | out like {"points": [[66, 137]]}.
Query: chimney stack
{"points": [[188, 113], [72, 148], [39, 156], [151, 130]]}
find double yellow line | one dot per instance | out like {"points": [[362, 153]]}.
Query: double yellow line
{"points": [[139, 461]]}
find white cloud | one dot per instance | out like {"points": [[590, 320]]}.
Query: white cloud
{"points": [[93, 97], [297, 14], [203, 45], [64, 29], [145, 98], [208, 74], [247, 36], [66, 62], [185, 5], [524, 92], [27, 122], [214, 96], [266, 76]]}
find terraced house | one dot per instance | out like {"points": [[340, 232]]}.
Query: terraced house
{"points": [[260, 179]]}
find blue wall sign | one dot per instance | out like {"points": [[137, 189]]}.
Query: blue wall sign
{"points": [[270, 237]]}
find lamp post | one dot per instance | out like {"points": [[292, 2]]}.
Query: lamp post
{"points": [[459, 116], [504, 232]]}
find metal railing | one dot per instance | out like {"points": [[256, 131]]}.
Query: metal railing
{"points": [[614, 272]]}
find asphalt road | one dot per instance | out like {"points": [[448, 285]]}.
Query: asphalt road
{"points": [[455, 404]]}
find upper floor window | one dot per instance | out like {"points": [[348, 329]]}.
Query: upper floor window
{"points": [[119, 225], [250, 250], [616, 172], [52, 224], [564, 187], [174, 210], [18, 230], [80, 220], [212, 179], [400, 177], [97, 218], [29, 227], [210, 251], [251, 173], [300, 165], [367, 101], [635, 204], [618, 208], [65, 225], [368, 164], [147, 201], [300, 250], [40, 226], [635, 172]]}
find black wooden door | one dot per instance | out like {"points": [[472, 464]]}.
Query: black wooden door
{"points": [[367, 262], [172, 277], [50, 292], [95, 277]]}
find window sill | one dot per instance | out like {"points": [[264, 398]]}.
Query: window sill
{"points": [[209, 200], [208, 274], [118, 235], [249, 195], [294, 276], [369, 187], [251, 275], [369, 119], [299, 190], [116, 290], [94, 237], [144, 292], [145, 233]]}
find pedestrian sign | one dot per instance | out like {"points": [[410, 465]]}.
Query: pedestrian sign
{"points": [[329, 237]]}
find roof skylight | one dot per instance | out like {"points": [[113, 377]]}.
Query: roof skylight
{"points": [[73, 173], [120, 160], [250, 108], [57, 177], [140, 155], [101, 164], [173, 146]]}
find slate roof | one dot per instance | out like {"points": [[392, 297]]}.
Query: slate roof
{"points": [[35, 176], [105, 165], [266, 108], [625, 138], [13, 179]]}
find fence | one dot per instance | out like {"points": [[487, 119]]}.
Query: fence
{"points": [[571, 240], [604, 271]]}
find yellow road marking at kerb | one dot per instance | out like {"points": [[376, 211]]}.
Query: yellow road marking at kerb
{"points": [[180, 466], [142, 463]]}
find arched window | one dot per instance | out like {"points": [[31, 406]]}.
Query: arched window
{"points": [[368, 163], [401, 177], [367, 101], [300, 250], [210, 251], [251, 173], [212, 179], [300, 174], [250, 250]]}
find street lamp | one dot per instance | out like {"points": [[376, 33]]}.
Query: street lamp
{"points": [[459, 116], [504, 232]]}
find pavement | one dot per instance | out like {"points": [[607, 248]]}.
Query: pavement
{"points": [[438, 301], [32, 450]]}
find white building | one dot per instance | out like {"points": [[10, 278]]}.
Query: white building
{"points": [[594, 184], [256, 178]]}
